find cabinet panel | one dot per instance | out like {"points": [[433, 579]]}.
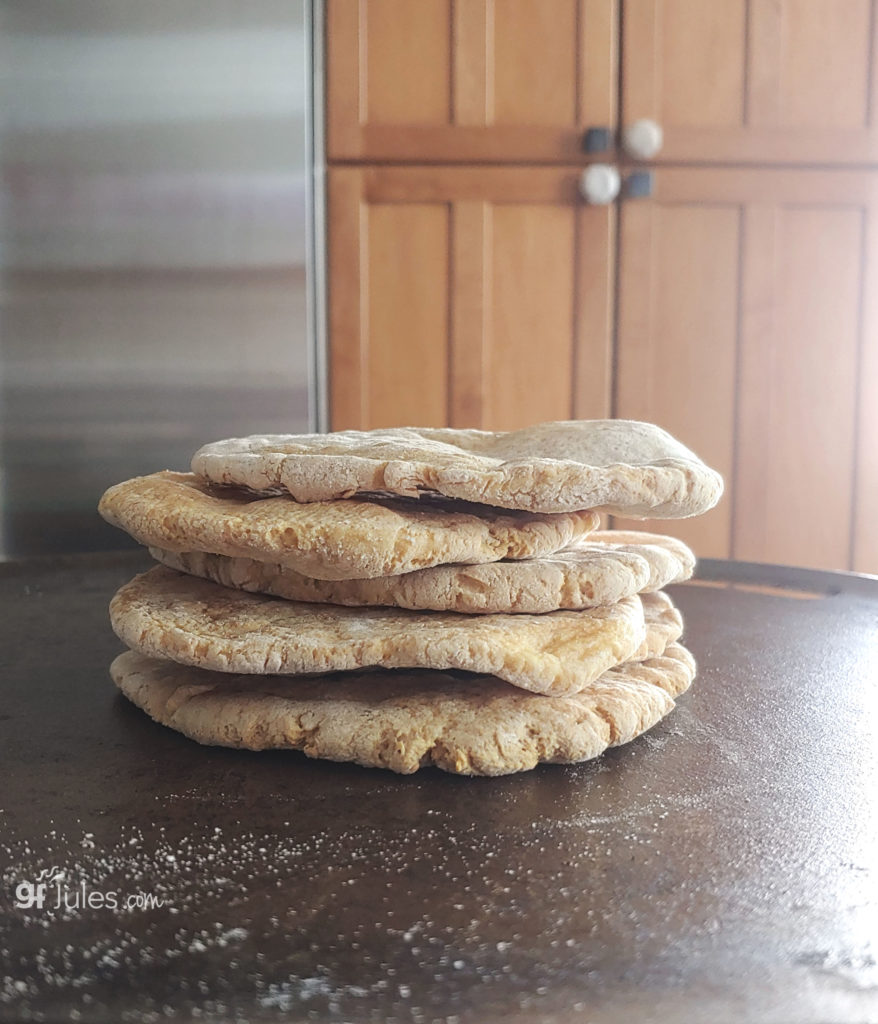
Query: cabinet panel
{"points": [[529, 347], [822, 65], [701, 43], [462, 296], [388, 308], [799, 384], [677, 338], [404, 56], [758, 81], [535, 62], [406, 314], [742, 329], [439, 80]]}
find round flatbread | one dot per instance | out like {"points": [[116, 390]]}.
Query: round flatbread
{"points": [[664, 625], [406, 720], [622, 467], [670, 560], [360, 538], [592, 572], [195, 622]]}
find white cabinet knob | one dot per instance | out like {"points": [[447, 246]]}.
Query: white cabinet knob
{"points": [[600, 184], [642, 139]]}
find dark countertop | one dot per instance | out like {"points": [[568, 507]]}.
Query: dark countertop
{"points": [[724, 867]]}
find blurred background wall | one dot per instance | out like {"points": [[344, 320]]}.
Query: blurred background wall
{"points": [[152, 246]]}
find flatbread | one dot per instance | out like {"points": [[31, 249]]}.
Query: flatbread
{"points": [[670, 560], [664, 626], [195, 622], [405, 720], [331, 539], [588, 574], [618, 466]]}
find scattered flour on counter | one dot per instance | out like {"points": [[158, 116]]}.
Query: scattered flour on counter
{"points": [[219, 887]]}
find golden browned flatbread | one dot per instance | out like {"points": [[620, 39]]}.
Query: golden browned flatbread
{"points": [[405, 720], [618, 466], [585, 575], [166, 614], [331, 539]]}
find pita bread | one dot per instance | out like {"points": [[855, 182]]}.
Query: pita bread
{"points": [[405, 720], [618, 466], [333, 539], [588, 574], [670, 560], [664, 625], [166, 614]]}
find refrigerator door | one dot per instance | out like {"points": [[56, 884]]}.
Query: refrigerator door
{"points": [[153, 270]]}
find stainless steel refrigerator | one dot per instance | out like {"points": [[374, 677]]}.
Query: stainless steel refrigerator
{"points": [[153, 250]]}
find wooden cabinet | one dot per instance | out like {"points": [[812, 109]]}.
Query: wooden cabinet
{"points": [[754, 81], [746, 328], [469, 80], [761, 81], [470, 284], [472, 296]]}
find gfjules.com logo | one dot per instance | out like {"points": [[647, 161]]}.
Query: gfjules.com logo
{"points": [[51, 891]]}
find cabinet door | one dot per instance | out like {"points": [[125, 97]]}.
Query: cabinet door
{"points": [[468, 80], [760, 81], [747, 327], [470, 297]]}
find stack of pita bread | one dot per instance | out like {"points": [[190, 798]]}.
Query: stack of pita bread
{"points": [[411, 597]]}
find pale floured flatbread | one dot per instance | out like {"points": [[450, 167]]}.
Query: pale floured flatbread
{"points": [[670, 560], [618, 466], [193, 621], [664, 625], [582, 576], [333, 539], [404, 720]]}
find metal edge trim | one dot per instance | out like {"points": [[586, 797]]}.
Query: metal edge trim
{"points": [[318, 373], [786, 577]]}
